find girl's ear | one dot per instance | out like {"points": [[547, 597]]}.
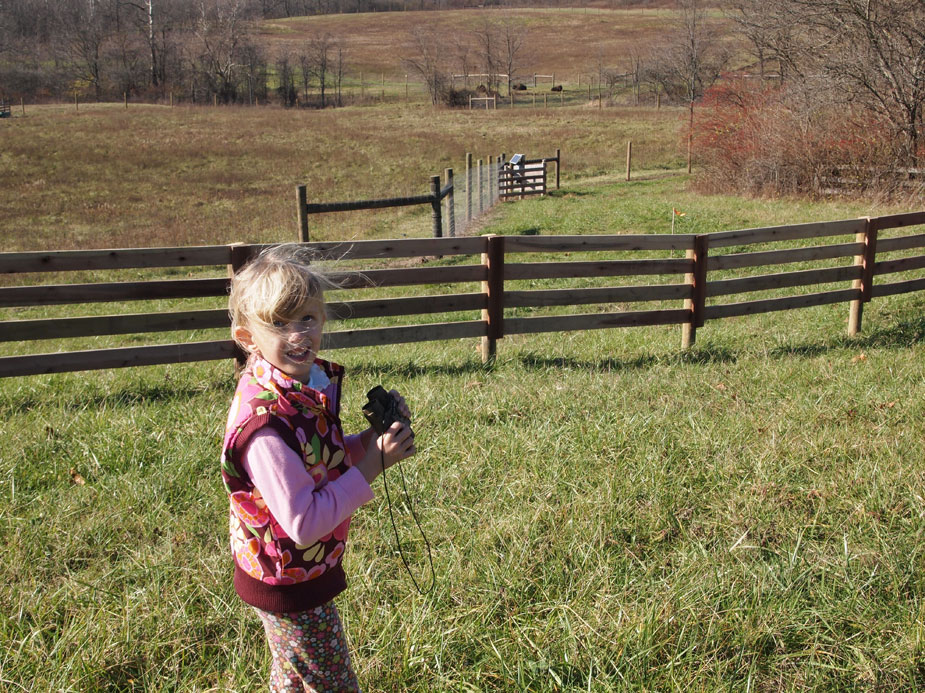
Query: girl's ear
{"points": [[244, 337]]}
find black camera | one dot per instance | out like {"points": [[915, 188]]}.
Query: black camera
{"points": [[382, 410]]}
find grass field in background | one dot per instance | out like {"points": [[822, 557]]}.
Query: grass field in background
{"points": [[107, 177], [564, 42]]}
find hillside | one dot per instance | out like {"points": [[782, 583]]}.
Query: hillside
{"points": [[565, 41]]}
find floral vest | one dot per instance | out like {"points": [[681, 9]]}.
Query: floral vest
{"points": [[272, 571]]}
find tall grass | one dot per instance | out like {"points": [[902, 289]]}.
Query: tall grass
{"points": [[606, 513]]}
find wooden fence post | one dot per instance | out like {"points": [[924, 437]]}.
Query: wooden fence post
{"points": [[866, 260], [493, 288], [450, 212], [698, 281], [629, 158], [435, 206], [468, 187], [558, 164], [302, 201], [240, 255], [491, 179], [479, 188]]}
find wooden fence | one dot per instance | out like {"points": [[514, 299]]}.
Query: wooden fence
{"points": [[489, 102], [524, 178], [434, 198], [699, 298], [482, 188]]}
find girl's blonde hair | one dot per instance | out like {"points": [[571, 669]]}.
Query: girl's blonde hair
{"points": [[274, 285]]}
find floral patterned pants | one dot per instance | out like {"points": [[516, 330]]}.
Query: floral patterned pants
{"points": [[309, 651]]}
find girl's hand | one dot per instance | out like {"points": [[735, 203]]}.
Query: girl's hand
{"points": [[395, 444]]}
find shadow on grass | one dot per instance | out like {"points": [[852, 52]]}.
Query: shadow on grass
{"points": [[24, 400], [705, 355], [413, 370], [570, 193], [900, 336]]}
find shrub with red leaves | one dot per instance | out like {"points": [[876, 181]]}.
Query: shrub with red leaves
{"points": [[769, 140]]}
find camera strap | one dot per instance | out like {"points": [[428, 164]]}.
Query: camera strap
{"points": [[385, 483]]}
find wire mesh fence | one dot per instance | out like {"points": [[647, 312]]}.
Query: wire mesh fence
{"points": [[474, 193]]}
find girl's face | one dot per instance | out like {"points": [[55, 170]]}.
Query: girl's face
{"points": [[292, 343]]}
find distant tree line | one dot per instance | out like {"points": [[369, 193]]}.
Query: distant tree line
{"points": [[200, 52]]}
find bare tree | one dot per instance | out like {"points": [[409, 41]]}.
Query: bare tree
{"points": [[427, 61], [462, 54], [87, 26], [511, 37], [694, 56], [340, 69], [223, 35], [773, 32], [322, 54], [285, 77], [156, 21], [874, 51], [635, 71], [487, 41]]}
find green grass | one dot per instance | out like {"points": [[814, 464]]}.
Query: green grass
{"points": [[606, 512]]}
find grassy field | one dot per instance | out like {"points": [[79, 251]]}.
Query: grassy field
{"points": [[108, 177], [606, 512], [564, 42]]}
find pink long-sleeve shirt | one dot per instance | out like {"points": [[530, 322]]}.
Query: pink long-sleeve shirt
{"points": [[305, 512]]}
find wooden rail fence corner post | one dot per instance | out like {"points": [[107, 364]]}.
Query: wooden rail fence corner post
{"points": [[867, 259], [493, 288], [698, 281], [302, 202], [435, 206], [240, 255]]}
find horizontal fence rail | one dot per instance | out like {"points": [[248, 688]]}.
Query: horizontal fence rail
{"points": [[498, 284]]}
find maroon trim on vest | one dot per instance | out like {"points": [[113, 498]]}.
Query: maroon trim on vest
{"points": [[288, 598], [254, 424]]}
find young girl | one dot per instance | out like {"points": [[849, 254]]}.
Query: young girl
{"points": [[292, 477]]}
